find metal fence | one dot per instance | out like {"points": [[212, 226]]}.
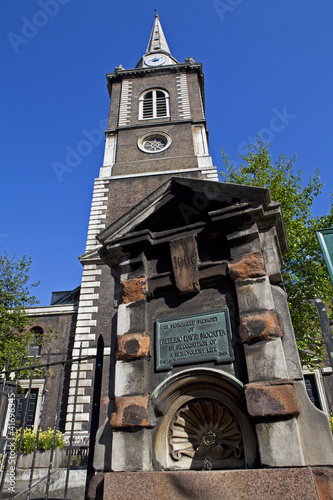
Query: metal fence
{"points": [[22, 407]]}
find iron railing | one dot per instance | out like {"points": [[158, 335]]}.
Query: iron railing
{"points": [[13, 482]]}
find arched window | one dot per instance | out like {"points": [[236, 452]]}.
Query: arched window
{"points": [[35, 345], [154, 104]]}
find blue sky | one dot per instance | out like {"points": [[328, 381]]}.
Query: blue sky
{"points": [[267, 65]]}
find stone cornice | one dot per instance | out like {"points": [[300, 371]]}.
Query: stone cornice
{"points": [[172, 68], [51, 310], [119, 75], [245, 205], [154, 123]]}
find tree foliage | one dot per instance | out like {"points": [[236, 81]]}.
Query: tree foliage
{"points": [[15, 296], [304, 271]]}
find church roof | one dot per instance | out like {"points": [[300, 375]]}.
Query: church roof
{"points": [[157, 44], [157, 41]]}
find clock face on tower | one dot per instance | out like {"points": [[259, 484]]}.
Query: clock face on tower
{"points": [[155, 60]]}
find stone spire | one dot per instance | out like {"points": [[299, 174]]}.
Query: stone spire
{"points": [[157, 41], [157, 45]]}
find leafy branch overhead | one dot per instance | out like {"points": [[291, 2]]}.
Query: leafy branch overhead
{"points": [[304, 271], [15, 297]]}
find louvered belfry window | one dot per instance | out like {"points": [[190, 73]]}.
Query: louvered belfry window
{"points": [[161, 105], [154, 104]]}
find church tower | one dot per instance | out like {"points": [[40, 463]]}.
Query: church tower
{"points": [[156, 122], [194, 363], [156, 130]]}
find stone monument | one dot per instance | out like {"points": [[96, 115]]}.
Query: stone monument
{"points": [[207, 394]]}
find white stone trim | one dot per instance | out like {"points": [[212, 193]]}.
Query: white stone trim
{"points": [[212, 177], [91, 272], [78, 408], [167, 172], [200, 140], [56, 309], [83, 336], [79, 400], [125, 103], [90, 296], [100, 216], [86, 322], [202, 107], [81, 375], [92, 284], [82, 417], [183, 97], [77, 425], [81, 383], [78, 391], [86, 303], [83, 329], [81, 345], [97, 213], [89, 290], [85, 316], [88, 309]]}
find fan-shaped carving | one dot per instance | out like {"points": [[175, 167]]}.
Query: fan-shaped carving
{"points": [[205, 429]]}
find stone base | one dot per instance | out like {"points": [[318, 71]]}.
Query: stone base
{"points": [[266, 484]]}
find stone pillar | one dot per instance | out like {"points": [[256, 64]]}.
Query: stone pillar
{"points": [[270, 395], [132, 416]]}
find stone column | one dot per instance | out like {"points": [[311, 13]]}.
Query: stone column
{"points": [[131, 448], [271, 396]]}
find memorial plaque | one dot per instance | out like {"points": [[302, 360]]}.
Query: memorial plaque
{"points": [[192, 339]]}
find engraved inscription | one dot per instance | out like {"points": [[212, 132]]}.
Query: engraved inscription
{"points": [[184, 257], [193, 339], [186, 260]]}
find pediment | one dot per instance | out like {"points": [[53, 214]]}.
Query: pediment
{"points": [[181, 204]]}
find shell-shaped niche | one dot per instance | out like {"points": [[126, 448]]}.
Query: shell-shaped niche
{"points": [[205, 430]]}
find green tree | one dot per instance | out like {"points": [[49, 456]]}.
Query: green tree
{"points": [[15, 296], [304, 272]]}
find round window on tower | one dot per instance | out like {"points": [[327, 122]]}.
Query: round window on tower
{"points": [[154, 142]]}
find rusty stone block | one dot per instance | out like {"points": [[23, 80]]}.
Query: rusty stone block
{"points": [[132, 346], [250, 265], [260, 326], [134, 290], [277, 398], [131, 411]]}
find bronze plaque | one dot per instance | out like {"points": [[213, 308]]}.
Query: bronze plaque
{"points": [[193, 339]]}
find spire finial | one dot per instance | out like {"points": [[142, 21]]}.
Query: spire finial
{"points": [[157, 41], [157, 45]]}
